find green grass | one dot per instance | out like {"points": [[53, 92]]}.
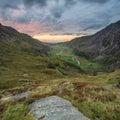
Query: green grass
{"points": [[66, 54], [14, 64], [17, 112], [95, 96], [87, 65], [65, 58], [62, 50]]}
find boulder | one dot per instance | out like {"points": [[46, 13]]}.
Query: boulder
{"points": [[55, 108]]}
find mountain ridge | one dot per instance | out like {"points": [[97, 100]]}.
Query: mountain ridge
{"points": [[21, 41], [101, 45]]}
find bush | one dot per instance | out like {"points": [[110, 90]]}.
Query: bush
{"points": [[81, 54], [53, 65]]}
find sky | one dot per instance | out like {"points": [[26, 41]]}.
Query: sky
{"points": [[59, 20]]}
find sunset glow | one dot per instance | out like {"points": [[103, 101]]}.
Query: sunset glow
{"points": [[55, 38], [58, 20]]}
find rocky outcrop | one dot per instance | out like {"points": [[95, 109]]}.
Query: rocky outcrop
{"points": [[16, 97], [55, 108]]}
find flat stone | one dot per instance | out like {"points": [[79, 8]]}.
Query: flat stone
{"points": [[55, 108], [16, 97]]}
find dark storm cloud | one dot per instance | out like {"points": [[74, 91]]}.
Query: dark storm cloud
{"points": [[30, 3], [69, 3], [24, 19], [6, 4], [57, 11], [13, 4], [93, 26], [72, 2], [64, 16], [95, 1], [9, 5]]}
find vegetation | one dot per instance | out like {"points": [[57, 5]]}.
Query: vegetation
{"points": [[94, 94], [68, 55], [81, 54]]}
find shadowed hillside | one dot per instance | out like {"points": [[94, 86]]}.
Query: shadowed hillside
{"points": [[104, 45], [24, 60], [11, 38]]}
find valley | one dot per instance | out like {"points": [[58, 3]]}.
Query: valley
{"points": [[44, 70]]}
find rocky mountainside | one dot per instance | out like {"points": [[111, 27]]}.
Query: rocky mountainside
{"points": [[103, 44], [11, 38]]}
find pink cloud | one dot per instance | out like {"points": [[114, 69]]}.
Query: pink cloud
{"points": [[1, 20]]}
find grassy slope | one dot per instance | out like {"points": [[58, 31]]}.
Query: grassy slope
{"points": [[14, 65], [95, 96], [65, 53]]}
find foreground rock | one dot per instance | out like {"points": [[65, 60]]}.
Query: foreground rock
{"points": [[16, 97], [55, 108]]}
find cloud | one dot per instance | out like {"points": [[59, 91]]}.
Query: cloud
{"points": [[6, 4], [69, 3], [95, 1], [77, 34], [24, 19], [57, 11], [30, 3], [59, 16]]}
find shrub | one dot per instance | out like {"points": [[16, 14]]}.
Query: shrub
{"points": [[53, 65], [81, 54]]}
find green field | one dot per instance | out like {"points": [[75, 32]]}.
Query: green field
{"points": [[64, 53]]}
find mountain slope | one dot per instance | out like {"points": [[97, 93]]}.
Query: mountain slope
{"points": [[25, 61], [103, 44], [21, 42]]}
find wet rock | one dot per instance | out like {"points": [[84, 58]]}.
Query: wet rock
{"points": [[55, 108]]}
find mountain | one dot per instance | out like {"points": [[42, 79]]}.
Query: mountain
{"points": [[11, 38], [79, 43], [25, 61], [103, 45]]}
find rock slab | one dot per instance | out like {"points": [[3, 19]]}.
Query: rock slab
{"points": [[16, 97], [55, 108]]}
